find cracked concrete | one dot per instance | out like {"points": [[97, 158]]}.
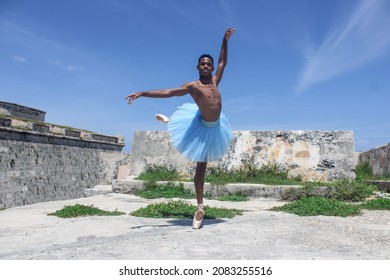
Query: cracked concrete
{"points": [[27, 232]]}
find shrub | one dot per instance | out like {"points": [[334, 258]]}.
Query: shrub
{"points": [[78, 210], [315, 206], [377, 204], [159, 173]]}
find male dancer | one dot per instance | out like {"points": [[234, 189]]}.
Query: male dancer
{"points": [[199, 131]]}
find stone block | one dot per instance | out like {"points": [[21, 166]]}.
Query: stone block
{"points": [[72, 133], [5, 122]]}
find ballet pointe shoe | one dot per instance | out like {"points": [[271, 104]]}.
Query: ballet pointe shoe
{"points": [[162, 118], [197, 222]]}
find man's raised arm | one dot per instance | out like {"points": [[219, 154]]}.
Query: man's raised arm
{"points": [[222, 60]]}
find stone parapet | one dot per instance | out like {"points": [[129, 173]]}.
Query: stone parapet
{"points": [[9, 123], [20, 111]]}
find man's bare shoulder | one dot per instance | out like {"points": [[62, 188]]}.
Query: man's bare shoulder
{"points": [[191, 85]]}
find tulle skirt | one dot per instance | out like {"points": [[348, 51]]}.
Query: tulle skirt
{"points": [[197, 139]]}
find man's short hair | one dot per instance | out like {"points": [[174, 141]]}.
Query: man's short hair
{"points": [[206, 55]]}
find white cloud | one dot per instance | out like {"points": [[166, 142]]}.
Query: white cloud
{"points": [[20, 59], [74, 68], [362, 38], [69, 67]]}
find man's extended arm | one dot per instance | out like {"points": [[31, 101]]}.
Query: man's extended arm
{"points": [[162, 93], [222, 60]]}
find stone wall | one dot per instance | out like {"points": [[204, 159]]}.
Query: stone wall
{"points": [[38, 166], [20, 111], [311, 155], [378, 159]]}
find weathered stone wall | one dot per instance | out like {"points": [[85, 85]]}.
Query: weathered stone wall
{"points": [[378, 159], [20, 111], [36, 167], [311, 155]]}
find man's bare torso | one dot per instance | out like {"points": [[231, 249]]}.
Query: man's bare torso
{"points": [[208, 99]]}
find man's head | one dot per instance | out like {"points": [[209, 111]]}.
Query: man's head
{"points": [[205, 55], [205, 65]]}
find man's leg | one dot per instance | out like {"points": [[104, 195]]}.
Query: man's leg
{"points": [[199, 184], [162, 118], [199, 180]]}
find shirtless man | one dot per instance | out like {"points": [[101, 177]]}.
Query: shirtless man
{"points": [[208, 138]]}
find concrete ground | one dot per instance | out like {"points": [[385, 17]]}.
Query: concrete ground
{"points": [[27, 232]]}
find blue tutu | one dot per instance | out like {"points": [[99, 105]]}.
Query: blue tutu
{"points": [[197, 139]]}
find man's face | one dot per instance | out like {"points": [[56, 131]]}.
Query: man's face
{"points": [[205, 66]]}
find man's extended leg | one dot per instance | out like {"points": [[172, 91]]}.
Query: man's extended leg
{"points": [[162, 118], [199, 184]]}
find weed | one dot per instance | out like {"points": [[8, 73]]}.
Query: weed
{"points": [[230, 197], [159, 173], [364, 172], [352, 190], [269, 174], [182, 209], [377, 204], [169, 190], [79, 210], [344, 190], [315, 206]]}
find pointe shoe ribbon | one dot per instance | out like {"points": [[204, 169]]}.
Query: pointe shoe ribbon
{"points": [[197, 223]]}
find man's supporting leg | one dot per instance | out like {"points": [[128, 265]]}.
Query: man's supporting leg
{"points": [[199, 184], [199, 180]]}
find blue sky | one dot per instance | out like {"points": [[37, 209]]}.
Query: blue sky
{"points": [[293, 64]]}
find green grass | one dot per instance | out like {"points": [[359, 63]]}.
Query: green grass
{"points": [[169, 190], [218, 176], [315, 206], [78, 210], [314, 198], [377, 204], [182, 209], [153, 190], [159, 173], [343, 190], [235, 197], [270, 175], [352, 190], [364, 172]]}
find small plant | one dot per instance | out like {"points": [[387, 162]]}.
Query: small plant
{"points": [[159, 173], [308, 190], [352, 190], [78, 210], [182, 209], [315, 206], [377, 204], [363, 171]]}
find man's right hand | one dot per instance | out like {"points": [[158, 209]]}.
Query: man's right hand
{"points": [[229, 33]]}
